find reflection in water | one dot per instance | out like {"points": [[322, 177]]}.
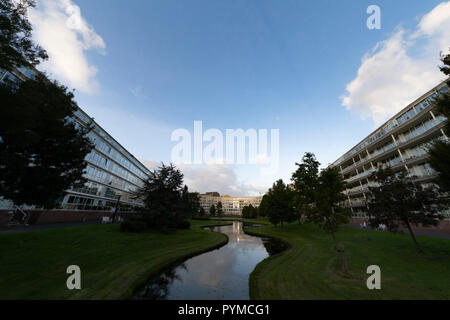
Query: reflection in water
{"points": [[218, 274]]}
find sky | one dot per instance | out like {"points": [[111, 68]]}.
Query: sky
{"points": [[311, 69]]}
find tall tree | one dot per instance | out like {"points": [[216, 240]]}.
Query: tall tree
{"points": [[327, 213], [398, 201], [42, 150], [202, 212], [305, 179], [219, 209], [439, 152], [17, 47], [212, 210], [262, 209], [162, 194], [279, 204]]}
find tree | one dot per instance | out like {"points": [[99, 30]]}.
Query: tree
{"points": [[42, 149], [398, 201], [162, 193], [439, 152], [191, 202], [212, 211], [327, 212], [249, 212], [262, 209], [202, 212], [219, 209], [305, 179], [279, 204], [17, 48]]}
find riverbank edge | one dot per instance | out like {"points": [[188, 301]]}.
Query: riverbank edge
{"points": [[253, 289], [128, 294]]}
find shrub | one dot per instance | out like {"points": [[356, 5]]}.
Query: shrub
{"points": [[133, 226], [183, 225]]}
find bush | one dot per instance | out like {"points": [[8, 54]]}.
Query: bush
{"points": [[201, 218], [133, 226], [183, 225]]}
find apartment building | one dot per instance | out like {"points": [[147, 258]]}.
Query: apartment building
{"points": [[400, 143], [113, 173], [231, 205]]}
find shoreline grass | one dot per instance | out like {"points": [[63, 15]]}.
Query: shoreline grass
{"points": [[309, 269], [33, 264]]}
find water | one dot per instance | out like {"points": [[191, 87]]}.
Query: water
{"points": [[219, 274]]}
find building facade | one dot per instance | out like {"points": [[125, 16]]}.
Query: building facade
{"points": [[400, 143], [230, 205], [112, 172]]}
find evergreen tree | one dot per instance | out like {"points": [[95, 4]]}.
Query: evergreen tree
{"points": [[305, 179], [219, 209], [162, 193], [202, 212], [212, 210], [17, 47]]}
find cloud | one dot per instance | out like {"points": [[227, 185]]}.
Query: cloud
{"points": [[138, 92], [217, 177], [401, 68], [59, 28]]}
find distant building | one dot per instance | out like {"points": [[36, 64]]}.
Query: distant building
{"points": [[400, 143], [230, 205]]}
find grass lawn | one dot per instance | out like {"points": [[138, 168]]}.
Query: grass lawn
{"points": [[309, 269], [33, 264]]}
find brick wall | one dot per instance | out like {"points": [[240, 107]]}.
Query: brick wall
{"points": [[61, 216], [444, 225]]}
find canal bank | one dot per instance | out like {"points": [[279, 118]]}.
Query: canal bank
{"points": [[221, 274]]}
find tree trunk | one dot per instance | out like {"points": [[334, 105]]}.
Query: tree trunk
{"points": [[419, 249], [340, 254]]}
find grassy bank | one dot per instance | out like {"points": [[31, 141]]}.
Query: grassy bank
{"points": [[309, 269], [33, 264]]}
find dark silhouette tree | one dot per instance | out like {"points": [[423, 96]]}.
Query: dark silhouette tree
{"points": [[262, 209], [17, 47], [398, 201], [327, 213], [305, 179], [439, 152], [162, 193], [42, 149], [212, 210], [219, 209], [279, 204], [202, 212]]}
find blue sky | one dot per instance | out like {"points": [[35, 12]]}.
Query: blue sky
{"points": [[145, 68]]}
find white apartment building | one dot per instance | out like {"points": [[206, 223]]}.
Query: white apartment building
{"points": [[230, 205], [400, 143]]}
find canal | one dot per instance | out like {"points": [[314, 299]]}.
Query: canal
{"points": [[219, 274]]}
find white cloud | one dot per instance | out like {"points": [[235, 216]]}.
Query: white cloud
{"points": [[393, 74], [217, 177], [59, 28]]}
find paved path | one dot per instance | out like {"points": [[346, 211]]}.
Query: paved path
{"points": [[19, 229], [424, 233]]}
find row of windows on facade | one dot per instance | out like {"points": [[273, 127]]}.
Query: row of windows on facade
{"points": [[82, 203], [392, 124], [101, 176], [128, 162]]}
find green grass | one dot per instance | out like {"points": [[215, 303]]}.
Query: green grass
{"points": [[309, 269], [33, 264]]}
